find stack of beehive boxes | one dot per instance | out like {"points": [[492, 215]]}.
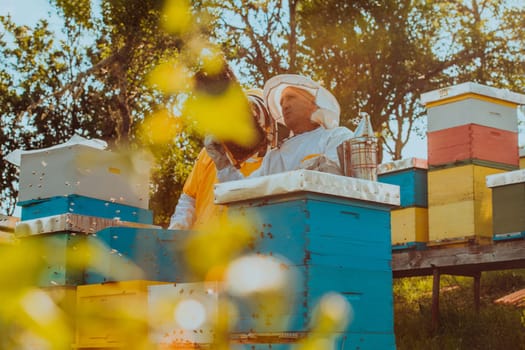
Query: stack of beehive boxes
{"points": [[410, 221], [334, 232], [85, 211], [472, 133], [69, 192]]}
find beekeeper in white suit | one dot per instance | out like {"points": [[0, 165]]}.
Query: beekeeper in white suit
{"points": [[311, 113]]}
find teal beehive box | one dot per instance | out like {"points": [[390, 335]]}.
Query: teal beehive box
{"points": [[409, 223], [334, 233], [61, 258], [131, 253], [411, 176], [82, 205], [65, 247]]}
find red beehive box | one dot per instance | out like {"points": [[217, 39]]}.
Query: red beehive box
{"points": [[473, 142]]}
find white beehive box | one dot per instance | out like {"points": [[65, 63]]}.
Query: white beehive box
{"points": [[472, 103], [182, 313], [86, 171]]}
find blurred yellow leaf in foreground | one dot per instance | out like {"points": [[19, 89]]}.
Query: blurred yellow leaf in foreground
{"points": [[171, 77], [216, 244], [161, 127], [226, 116], [176, 16]]}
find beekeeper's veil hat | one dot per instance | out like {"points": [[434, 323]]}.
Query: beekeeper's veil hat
{"points": [[327, 114]]}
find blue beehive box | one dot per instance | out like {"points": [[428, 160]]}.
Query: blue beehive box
{"points": [[411, 176], [127, 253], [335, 232], [81, 205]]}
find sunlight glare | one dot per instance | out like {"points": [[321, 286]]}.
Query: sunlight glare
{"points": [[190, 314], [254, 273]]}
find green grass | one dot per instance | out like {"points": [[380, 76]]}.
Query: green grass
{"points": [[461, 327]]}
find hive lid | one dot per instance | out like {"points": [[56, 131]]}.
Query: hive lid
{"points": [[472, 88], [15, 156], [402, 164], [306, 181], [507, 178]]}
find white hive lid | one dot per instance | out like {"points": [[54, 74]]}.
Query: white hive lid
{"points": [[474, 88], [402, 164], [306, 181], [507, 178], [15, 156]]}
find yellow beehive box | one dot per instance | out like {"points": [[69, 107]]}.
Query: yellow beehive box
{"points": [[460, 203], [409, 225], [522, 157], [64, 297], [113, 315], [459, 183]]}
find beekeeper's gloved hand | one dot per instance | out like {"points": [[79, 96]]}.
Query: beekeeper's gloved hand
{"points": [[216, 152]]}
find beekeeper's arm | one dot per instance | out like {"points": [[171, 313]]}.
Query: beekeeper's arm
{"points": [[337, 136], [184, 214], [328, 161], [225, 170]]}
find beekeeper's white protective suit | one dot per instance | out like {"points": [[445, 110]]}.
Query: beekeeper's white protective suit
{"points": [[308, 150]]}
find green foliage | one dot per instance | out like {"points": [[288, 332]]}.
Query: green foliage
{"points": [[34, 66], [486, 36], [77, 10], [259, 37], [494, 327], [378, 57]]}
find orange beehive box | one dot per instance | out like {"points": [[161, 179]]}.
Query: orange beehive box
{"points": [[409, 225], [472, 141], [112, 315], [460, 203]]}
